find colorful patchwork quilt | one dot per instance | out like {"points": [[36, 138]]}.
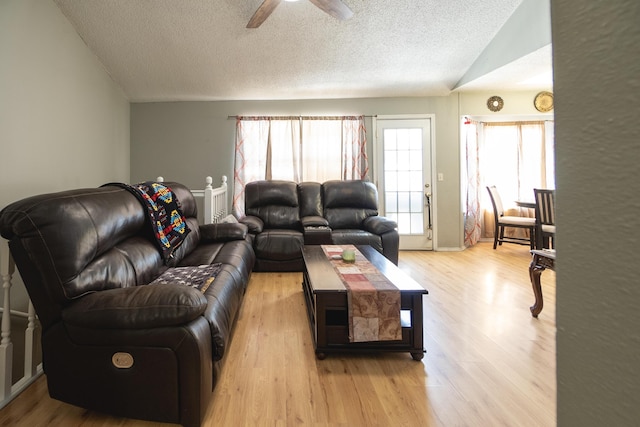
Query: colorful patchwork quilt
{"points": [[164, 211]]}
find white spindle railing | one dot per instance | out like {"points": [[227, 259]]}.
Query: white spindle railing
{"points": [[6, 346], [8, 388], [215, 208], [215, 199]]}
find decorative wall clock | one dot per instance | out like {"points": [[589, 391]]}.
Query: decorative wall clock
{"points": [[495, 103], [543, 102]]}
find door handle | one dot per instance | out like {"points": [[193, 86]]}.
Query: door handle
{"points": [[428, 205]]}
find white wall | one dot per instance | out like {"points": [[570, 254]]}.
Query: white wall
{"points": [[597, 102], [526, 31], [63, 122]]}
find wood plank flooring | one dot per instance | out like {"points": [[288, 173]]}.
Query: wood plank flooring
{"points": [[488, 361]]}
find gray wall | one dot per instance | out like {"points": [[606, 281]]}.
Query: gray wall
{"points": [[63, 122], [597, 97], [186, 141]]}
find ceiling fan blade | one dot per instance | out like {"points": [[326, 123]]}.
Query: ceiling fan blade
{"points": [[335, 8], [263, 13]]}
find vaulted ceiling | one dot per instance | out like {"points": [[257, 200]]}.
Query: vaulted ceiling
{"points": [[167, 50]]}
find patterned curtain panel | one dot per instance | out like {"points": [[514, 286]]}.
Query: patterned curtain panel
{"points": [[473, 215], [354, 145], [297, 149]]}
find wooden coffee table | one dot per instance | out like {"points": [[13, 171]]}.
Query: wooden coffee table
{"points": [[326, 298]]}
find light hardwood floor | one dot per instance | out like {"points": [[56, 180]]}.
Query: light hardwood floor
{"points": [[488, 362]]}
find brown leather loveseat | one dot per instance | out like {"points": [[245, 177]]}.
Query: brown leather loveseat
{"points": [[283, 216], [111, 341]]}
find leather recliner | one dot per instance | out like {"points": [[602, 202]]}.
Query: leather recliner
{"points": [[111, 342], [283, 216]]}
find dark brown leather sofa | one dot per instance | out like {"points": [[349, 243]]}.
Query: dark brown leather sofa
{"points": [[283, 216], [110, 343]]}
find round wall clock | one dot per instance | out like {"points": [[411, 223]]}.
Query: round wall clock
{"points": [[495, 103], [543, 102]]}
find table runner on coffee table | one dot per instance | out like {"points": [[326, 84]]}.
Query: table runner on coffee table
{"points": [[373, 301]]}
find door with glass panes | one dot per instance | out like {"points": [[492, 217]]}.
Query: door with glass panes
{"points": [[403, 175]]}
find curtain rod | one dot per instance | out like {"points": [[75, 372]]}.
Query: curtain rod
{"points": [[301, 117]]}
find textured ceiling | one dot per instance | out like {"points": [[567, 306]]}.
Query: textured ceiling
{"points": [[166, 50]]}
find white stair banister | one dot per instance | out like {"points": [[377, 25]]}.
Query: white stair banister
{"points": [[30, 365], [215, 201], [208, 200], [7, 268]]}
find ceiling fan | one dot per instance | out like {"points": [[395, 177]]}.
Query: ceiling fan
{"points": [[335, 8]]}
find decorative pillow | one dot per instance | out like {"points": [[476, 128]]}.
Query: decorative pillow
{"points": [[198, 277]]}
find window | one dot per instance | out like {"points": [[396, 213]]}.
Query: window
{"points": [[516, 157], [297, 149]]}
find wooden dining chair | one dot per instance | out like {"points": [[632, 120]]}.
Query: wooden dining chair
{"points": [[545, 217], [503, 222]]}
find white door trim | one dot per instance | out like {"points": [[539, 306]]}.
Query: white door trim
{"points": [[378, 166]]}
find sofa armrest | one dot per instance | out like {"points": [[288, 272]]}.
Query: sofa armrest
{"points": [[255, 224], [314, 221], [222, 232], [379, 225], [316, 230], [138, 307]]}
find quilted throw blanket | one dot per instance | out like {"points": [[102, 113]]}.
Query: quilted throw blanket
{"points": [[164, 211], [199, 277], [373, 301]]}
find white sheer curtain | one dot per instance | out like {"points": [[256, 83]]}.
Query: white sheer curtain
{"points": [[516, 157], [297, 149]]}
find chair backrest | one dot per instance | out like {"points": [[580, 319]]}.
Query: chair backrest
{"points": [[545, 206], [496, 201]]}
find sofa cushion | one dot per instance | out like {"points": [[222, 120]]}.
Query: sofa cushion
{"points": [[138, 307], [279, 245], [310, 197]]}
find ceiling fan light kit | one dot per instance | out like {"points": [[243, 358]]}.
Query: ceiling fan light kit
{"points": [[335, 8]]}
